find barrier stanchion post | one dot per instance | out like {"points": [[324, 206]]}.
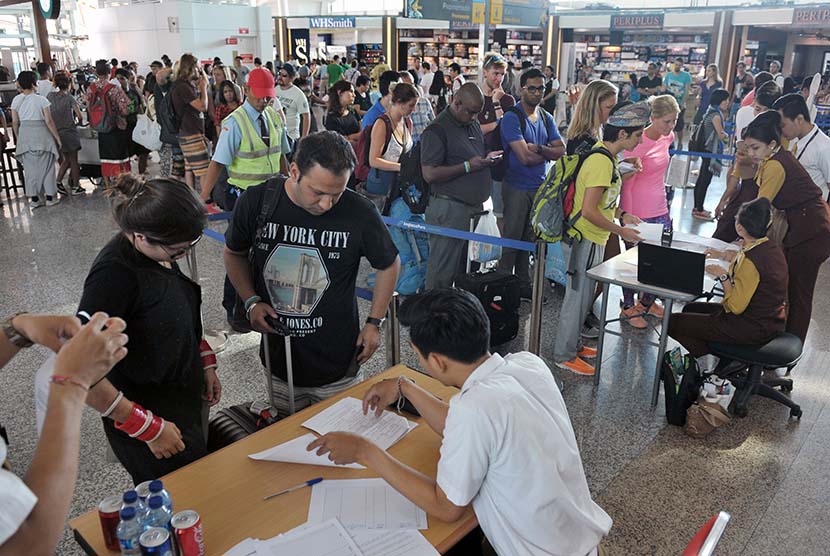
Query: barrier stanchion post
{"points": [[216, 338], [535, 341], [686, 171], [393, 333]]}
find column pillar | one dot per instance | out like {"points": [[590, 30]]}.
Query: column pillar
{"points": [[42, 33], [390, 41]]}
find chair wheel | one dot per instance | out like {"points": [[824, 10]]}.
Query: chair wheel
{"points": [[796, 412]]}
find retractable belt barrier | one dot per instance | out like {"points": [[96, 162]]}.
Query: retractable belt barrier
{"points": [[702, 155]]}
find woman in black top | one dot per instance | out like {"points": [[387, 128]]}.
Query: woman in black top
{"points": [[438, 92], [152, 402], [340, 116]]}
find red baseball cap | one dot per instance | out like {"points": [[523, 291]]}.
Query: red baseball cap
{"points": [[261, 83]]}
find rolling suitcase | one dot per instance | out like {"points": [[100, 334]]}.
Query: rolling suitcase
{"points": [[498, 291], [235, 423]]}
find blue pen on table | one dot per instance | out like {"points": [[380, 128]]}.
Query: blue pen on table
{"points": [[312, 482]]}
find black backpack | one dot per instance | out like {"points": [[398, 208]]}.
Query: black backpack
{"points": [[166, 116], [411, 185], [680, 397]]}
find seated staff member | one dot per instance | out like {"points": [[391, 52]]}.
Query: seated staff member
{"points": [[508, 445], [755, 291], [808, 143], [597, 189], [33, 510], [740, 184], [152, 402], [789, 187], [303, 268]]}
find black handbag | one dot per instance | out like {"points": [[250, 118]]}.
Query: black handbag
{"points": [[679, 398]]}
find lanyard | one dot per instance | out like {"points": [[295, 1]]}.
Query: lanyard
{"points": [[801, 153]]}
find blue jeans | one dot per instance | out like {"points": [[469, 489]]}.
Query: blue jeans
{"points": [[379, 181]]}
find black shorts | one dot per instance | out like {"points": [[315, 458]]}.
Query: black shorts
{"points": [[681, 120]]}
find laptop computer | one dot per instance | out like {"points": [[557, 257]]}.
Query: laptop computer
{"points": [[670, 268]]}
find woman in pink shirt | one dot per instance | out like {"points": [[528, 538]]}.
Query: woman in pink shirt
{"points": [[644, 193]]}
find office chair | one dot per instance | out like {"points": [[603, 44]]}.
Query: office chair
{"points": [[743, 365]]}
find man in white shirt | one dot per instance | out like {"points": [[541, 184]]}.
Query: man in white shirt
{"points": [[44, 82], [427, 77], [508, 447], [457, 77], [809, 145], [294, 103], [33, 509], [775, 70]]}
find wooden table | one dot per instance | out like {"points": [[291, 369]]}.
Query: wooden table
{"points": [[227, 487]]}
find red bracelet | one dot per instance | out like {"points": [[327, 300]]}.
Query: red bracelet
{"points": [[208, 356], [136, 420], [62, 380], [153, 430]]}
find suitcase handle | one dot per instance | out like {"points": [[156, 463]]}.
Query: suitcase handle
{"points": [[283, 330]]}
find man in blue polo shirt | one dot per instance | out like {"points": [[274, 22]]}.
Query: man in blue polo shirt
{"points": [[533, 141], [380, 107]]}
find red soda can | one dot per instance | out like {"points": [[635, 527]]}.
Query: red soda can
{"points": [[109, 513], [187, 527]]}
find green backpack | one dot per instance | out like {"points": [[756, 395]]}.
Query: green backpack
{"points": [[552, 214]]}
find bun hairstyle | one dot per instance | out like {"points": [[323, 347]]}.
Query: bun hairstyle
{"points": [[755, 216], [766, 128], [166, 211]]}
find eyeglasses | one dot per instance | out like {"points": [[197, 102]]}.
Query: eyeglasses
{"points": [[283, 74], [535, 89], [178, 252]]}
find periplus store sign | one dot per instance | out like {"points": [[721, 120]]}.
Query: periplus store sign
{"points": [[331, 22], [811, 17], [637, 21]]}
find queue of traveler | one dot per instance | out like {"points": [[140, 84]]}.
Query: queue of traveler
{"points": [[299, 210]]}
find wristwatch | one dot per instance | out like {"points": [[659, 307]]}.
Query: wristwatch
{"points": [[376, 322], [14, 335], [723, 278]]}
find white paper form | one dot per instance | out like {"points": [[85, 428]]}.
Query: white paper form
{"points": [[347, 416], [248, 547], [402, 542], [294, 451], [650, 232], [702, 243], [323, 539], [364, 504]]}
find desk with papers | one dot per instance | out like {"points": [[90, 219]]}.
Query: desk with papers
{"points": [[350, 508]]}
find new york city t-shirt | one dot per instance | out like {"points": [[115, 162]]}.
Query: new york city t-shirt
{"points": [[306, 266]]}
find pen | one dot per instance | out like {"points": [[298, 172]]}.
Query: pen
{"points": [[312, 482]]}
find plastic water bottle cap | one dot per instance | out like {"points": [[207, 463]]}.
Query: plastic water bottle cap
{"points": [[156, 486], [130, 497], [155, 502], [128, 513]]}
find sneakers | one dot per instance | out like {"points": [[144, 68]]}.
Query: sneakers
{"points": [[62, 189], [655, 310], [587, 352], [37, 204], [78, 190], [54, 201], [577, 366], [633, 316], [702, 215], [589, 332]]}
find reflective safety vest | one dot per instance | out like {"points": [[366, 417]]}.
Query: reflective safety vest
{"points": [[255, 162]]}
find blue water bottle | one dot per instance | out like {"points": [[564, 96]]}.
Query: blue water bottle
{"points": [[128, 532], [157, 515], [157, 489], [132, 500]]}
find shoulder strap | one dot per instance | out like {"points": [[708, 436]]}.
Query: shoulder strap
{"points": [[387, 124], [274, 188], [521, 115]]}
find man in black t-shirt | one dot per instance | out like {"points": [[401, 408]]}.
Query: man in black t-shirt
{"points": [[651, 84], [305, 263], [362, 100]]}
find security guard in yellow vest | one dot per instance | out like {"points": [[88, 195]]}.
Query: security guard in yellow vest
{"points": [[252, 144]]}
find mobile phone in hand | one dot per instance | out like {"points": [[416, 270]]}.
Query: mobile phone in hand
{"points": [[496, 158]]}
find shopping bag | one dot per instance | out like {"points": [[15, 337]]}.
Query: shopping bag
{"points": [[147, 133], [481, 252], [556, 267]]}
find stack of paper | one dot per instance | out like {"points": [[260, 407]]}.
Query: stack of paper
{"points": [[331, 539], [347, 416], [364, 504], [294, 451]]}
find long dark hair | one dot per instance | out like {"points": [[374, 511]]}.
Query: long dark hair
{"points": [[438, 86], [167, 211], [335, 91], [233, 87]]}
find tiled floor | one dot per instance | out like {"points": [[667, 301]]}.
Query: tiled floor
{"points": [[657, 484]]}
